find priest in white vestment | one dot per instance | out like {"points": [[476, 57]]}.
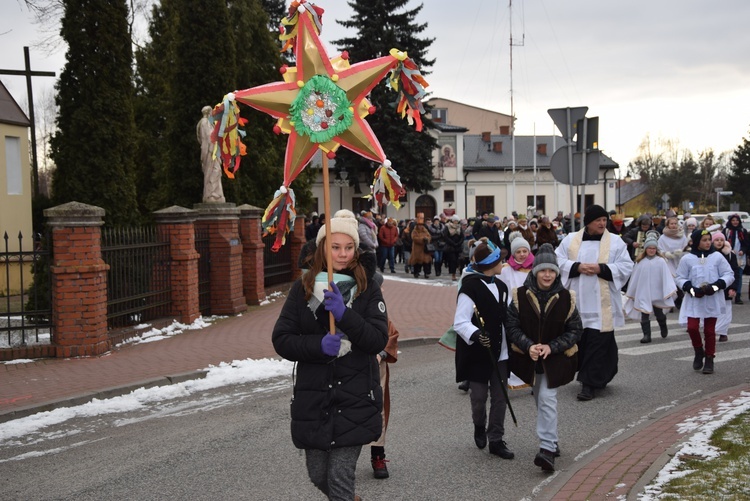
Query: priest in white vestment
{"points": [[596, 265]]}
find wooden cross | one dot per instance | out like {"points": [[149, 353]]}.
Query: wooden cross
{"points": [[28, 74]]}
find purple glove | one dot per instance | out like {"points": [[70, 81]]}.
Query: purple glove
{"points": [[331, 344], [334, 302]]}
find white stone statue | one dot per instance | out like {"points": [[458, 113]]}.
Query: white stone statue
{"points": [[212, 190]]}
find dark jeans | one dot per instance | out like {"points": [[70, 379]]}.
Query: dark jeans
{"points": [[386, 253]]}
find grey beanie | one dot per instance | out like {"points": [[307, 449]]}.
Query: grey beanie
{"points": [[517, 241], [545, 259], [652, 239]]}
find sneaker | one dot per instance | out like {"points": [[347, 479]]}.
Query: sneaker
{"points": [[464, 385], [379, 469], [557, 450], [738, 301], [545, 460], [587, 393], [480, 436], [723, 338], [500, 448]]}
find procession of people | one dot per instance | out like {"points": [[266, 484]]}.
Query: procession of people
{"points": [[538, 304]]}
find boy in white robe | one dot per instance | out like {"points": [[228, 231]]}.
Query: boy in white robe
{"points": [[701, 274], [596, 265]]}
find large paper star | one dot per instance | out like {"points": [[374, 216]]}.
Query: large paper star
{"points": [[322, 102]]}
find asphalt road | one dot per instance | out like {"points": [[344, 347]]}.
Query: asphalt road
{"points": [[234, 443]]}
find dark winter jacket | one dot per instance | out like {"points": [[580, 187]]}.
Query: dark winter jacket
{"points": [[453, 243], [473, 363], [337, 402], [546, 317], [731, 257]]}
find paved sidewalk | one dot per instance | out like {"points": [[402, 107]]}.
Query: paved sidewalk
{"points": [[426, 307], [48, 383], [622, 469]]}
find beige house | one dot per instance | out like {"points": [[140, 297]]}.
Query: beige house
{"points": [[479, 167], [15, 192]]}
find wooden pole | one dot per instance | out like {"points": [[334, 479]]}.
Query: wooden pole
{"points": [[329, 250]]}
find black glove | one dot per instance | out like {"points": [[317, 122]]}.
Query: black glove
{"points": [[696, 293], [481, 338], [708, 289], [721, 284], [687, 286]]}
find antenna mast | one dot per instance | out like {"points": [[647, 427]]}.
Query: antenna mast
{"points": [[512, 111]]}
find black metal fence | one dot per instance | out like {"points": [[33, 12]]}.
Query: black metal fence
{"points": [[138, 281], [25, 309], [277, 265]]}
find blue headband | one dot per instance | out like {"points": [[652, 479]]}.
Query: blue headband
{"points": [[492, 258]]}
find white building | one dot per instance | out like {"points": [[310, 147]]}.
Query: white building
{"points": [[487, 170]]}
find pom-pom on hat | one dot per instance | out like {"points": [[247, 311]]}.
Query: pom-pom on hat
{"points": [[517, 241], [545, 259], [341, 222], [594, 212], [652, 239]]}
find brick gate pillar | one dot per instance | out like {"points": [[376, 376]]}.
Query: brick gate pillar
{"points": [[221, 220], [297, 240], [253, 271], [78, 280], [175, 225]]}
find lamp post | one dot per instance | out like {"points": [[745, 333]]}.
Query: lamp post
{"points": [[341, 181], [619, 183]]}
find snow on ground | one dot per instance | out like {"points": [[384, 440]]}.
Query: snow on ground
{"points": [[226, 374], [702, 428]]}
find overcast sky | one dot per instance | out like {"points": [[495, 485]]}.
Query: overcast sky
{"points": [[672, 69]]}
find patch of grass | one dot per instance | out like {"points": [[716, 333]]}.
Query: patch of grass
{"points": [[726, 477]]}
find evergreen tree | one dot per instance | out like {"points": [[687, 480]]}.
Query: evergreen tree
{"points": [[276, 11], [152, 95], [739, 174], [94, 143], [381, 26], [258, 63], [202, 73]]}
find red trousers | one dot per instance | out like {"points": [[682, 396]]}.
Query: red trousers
{"points": [[709, 332]]}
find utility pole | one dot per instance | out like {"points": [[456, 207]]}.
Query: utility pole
{"points": [[28, 74]]}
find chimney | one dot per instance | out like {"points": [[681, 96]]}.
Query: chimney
{"points": [[497, 146], [541, 149], [505, 130], [485, 137]]}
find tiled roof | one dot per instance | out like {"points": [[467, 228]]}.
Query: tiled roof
{"points": [[480, 155], [10, 112]]}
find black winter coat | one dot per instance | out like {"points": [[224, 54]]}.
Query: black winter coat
{"points": [[337, 402]]}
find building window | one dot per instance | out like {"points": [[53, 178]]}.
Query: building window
{"points": [[448, 196], [485, 204], [440, 115], [540, 207], [14, 175]]}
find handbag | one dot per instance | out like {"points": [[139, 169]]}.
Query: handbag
{"points": [[429, 248]]}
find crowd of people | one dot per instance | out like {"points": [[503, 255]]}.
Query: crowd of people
{"points": [[537, 302]]}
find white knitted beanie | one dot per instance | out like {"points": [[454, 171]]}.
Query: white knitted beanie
{"points": [[341, 222]]}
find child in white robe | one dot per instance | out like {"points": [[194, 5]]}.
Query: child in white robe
{"points": [[651, 288], [701, 274]]}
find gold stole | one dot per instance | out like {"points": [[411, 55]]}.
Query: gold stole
{"points": [[605, 292]]}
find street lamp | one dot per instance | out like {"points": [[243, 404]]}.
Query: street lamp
{"points": [[341, 181], [619, 182]]}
